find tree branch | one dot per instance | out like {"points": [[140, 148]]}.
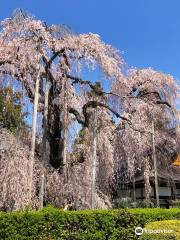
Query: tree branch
{"points": [[100, 92], [29, 87], [78, 116], [96, 90], [164, 102], [157, 95], [93, 104]]}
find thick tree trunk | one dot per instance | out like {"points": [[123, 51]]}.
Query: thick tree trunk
{"points": [[55, 137], [45, 118], [54, 130]]}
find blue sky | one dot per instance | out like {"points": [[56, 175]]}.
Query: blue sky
{"points": [[147, 31]]}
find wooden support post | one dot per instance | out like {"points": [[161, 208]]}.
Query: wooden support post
{"points": [[33, 138], [155, 166], [65, 131], [94, 159], [43, 150]]}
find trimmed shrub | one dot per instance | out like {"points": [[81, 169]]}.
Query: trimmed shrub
{"points": [[51, 223], [160, 227], [156, 214], [176, 203]]}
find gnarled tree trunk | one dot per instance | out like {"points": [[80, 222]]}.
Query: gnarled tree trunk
{"points": [[54, 129]]}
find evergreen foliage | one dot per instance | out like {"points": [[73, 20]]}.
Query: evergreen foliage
{"points": [[51, 223], [11, 116]]}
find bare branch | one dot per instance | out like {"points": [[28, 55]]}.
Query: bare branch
{"points": [[93, 104], [78, 116]]}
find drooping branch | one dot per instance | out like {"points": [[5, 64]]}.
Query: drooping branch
{"points": [[29, 87], [56, 54], [100, 92], [95, 104], [78, 80], [164, 103], [49, 62], [4, 62], [84, 120], [156, 94], [20, 76], [78, 116], [96, 90]]}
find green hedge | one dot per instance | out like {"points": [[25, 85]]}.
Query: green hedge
{"points": [[156, 214], [173, 226], [51, 223]]}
